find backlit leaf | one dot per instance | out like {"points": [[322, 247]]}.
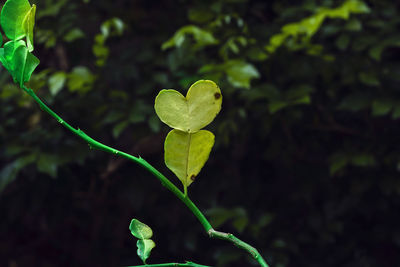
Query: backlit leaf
{"points": [[73, 35], [56, 82], [310, 25], [240, 73], [193, 112], [144, 248], [80, 79], [186, 153], [3, 60], [12, 18], [16, 58], [29, 23], [201, 37], [140, 230], [24, 65], [9, 50]]}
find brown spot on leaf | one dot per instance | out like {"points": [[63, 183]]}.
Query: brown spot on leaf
{"points": [[192, 177], [217, 95]]}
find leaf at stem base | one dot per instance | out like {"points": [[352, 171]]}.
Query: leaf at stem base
{"points": [[144, 248], [186, 153]]}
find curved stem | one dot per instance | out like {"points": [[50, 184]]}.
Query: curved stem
{"points": [[240, 244], [164, 181], [187, 264], [142, 162]]}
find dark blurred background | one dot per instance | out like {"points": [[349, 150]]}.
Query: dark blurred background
{"points": [[306, 161]]}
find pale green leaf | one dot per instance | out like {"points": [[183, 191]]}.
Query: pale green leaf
{"points": [[144, 248], [12, 18], [56, 82], [186, 153], [193, 112], [140, 230], [201, 37], [4, 61], [114, 26], [80, 79], [7, 56], [28, 24], [9, 49], [23, 64], [357, 6], [240, 73], [310, 25], [73, 35]]}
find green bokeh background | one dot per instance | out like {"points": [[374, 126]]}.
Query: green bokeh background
{"points": [[306, 161]]}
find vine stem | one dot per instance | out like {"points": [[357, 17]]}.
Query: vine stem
{"points": [[187, 264], [164, 181]]}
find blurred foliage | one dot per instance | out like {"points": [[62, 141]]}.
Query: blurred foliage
{"points": [[305, 165]]}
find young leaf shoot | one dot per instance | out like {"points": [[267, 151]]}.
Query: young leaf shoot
{"points": [[142, 232]]}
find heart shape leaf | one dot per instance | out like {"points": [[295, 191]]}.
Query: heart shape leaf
{"points": [[193, 112], [140, 230], [186, 153]]}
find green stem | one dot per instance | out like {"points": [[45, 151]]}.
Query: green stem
{"points": [[142, 162], [164, 181], [240, 244], [187, 264]]}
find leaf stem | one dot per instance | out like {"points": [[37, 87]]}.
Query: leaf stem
{"points": [[240, 244], [164, 181], [187, 264]]}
